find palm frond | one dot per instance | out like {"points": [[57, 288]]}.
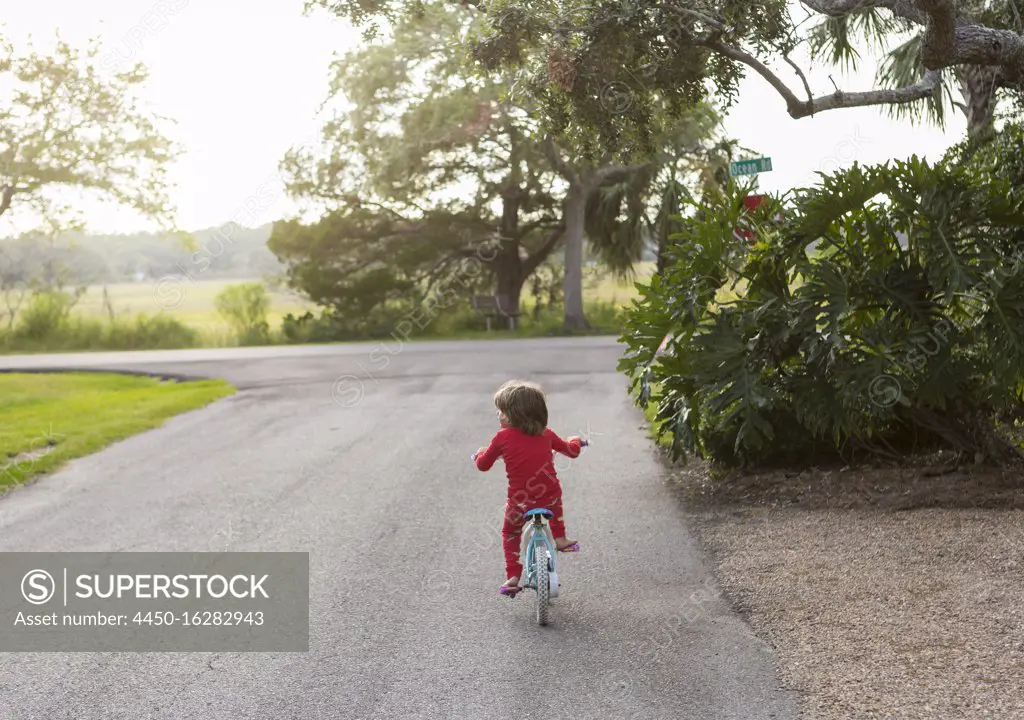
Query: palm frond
{"points": [[902, 67], [616, 221], [836, 37], [831, 38]]}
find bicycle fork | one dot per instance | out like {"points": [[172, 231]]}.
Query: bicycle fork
{"points": [[538, 534]]}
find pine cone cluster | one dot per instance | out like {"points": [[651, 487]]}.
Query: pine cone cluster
{"points": [[561, 69]]}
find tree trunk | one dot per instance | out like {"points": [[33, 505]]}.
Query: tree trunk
{"points": [[978, 87], [662, 256], [510, 283], [508, 266], [575, 212]]}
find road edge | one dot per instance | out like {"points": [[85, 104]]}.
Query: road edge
{"points": [[165, 376]]}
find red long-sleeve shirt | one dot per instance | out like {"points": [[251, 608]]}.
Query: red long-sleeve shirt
{"points": [[529, 462]]}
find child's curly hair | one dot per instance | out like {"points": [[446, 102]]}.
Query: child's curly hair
{"points": [[523, 404]]}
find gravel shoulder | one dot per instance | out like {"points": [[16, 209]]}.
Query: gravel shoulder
{"points": [[886, 593]]}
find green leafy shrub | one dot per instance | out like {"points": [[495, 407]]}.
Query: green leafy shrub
{"points": [[44, 316], [459, 320], [244, 306], [1002, 158], [159, 332], [904, 328], [310, 328], [328, 326]]}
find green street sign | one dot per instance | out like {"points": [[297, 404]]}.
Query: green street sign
{"points": [[750, 167]]}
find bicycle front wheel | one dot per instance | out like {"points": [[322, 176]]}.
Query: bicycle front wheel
{"points": [[540, 559]]}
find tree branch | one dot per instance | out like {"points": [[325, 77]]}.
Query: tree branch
{"points": [[905, 9], [5, 198], [802, 108], [357, 202], [938, 43], [529, 227], [540, 254], [950, 38], [980, 45], [803, 78], [614, 173], [558, 163]]}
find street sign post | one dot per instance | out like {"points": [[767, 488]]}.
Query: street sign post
{"points": [[750, 167]]}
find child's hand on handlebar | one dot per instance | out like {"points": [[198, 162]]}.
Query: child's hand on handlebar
{"points": [[583, 442], [478, 453]]}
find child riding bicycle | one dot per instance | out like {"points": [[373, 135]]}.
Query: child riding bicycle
{"points": [[526, 444]]}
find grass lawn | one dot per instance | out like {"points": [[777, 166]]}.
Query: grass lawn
{"points": [[48, 419], [604, 287]]}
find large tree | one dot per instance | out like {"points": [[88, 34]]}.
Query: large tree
{"points": [[674, 51], [67, 127], [431, 154], [421, 167]]}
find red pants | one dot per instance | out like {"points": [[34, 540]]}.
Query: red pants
{"points": [[511, 531]]}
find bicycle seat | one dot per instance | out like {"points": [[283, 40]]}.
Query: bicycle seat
{"points": [[539, 511]]}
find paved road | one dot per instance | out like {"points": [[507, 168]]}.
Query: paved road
{"points": [[374, 481]]}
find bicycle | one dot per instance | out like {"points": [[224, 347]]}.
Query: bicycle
{"points": [[540, 572], [537, 548]]}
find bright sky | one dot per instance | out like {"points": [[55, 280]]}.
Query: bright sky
{"points": [[244, 79]]}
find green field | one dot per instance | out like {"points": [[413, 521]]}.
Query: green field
{"points": [[172, 313], [605, 288], [48, 419], [193, 302], [196, 307]]}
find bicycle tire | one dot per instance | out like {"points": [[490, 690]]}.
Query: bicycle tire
{"points": [[543, 584]]}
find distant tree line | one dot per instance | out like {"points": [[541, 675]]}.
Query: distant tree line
{"points": [[80, 259]]}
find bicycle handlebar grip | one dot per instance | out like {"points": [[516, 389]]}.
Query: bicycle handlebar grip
{"points": [[584, 442]]}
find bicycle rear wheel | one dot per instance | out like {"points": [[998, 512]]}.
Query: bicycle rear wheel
{"points": [[543, 583]]}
